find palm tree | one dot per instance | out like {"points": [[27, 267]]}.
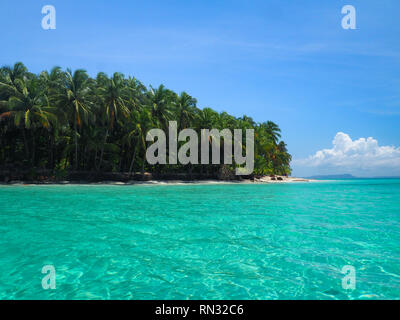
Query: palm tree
{"points": [[135, 94], [28, 105], [52, 82], [9, 75], [186, 110], [111, 92], [160, 105], [273, 130], [207, 118], [73, 96], [283, 158], [142, 123]]}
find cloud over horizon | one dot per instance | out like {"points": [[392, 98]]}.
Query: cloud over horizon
{"points": [[363, 156]]}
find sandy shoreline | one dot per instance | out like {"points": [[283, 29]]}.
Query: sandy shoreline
{"points": [[262, 180]]}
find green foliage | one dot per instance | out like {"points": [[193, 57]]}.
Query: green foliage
{"points": [[65, 120], [60, 173]]}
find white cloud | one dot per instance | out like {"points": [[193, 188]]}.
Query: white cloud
{"points": [[355, 156]]}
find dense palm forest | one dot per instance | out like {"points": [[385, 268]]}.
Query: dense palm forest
{"points": [[64, 121]]}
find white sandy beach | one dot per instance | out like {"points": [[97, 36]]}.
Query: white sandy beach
{"points": [[262, 180]]}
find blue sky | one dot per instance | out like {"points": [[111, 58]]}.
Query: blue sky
{"points": [[286, 61]]}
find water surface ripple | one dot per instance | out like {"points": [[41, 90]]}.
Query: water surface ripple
{"points": [[281, 241]]}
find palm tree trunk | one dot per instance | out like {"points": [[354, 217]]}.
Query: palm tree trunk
{"points": [[76, 146], [121, 159], [51, 153], [144, 158], [84, 158], [102, 150], [132, 161], [25, 143], [33, 148], [95, 159]]}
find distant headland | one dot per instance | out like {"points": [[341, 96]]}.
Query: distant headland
{"points": [[347, 177]]}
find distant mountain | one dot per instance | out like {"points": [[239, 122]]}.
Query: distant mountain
{"points": [[333, 177]]}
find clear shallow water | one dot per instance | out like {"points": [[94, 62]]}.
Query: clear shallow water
{"points": [[281, 241]]}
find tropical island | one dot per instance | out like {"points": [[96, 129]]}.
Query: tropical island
{"points": [[64, 125]]}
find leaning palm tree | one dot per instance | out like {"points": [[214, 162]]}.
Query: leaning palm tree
{"points": [[73, 96], [273, 130]]}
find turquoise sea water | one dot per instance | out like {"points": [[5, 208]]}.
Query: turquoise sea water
{"points": [[281, 241]]}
